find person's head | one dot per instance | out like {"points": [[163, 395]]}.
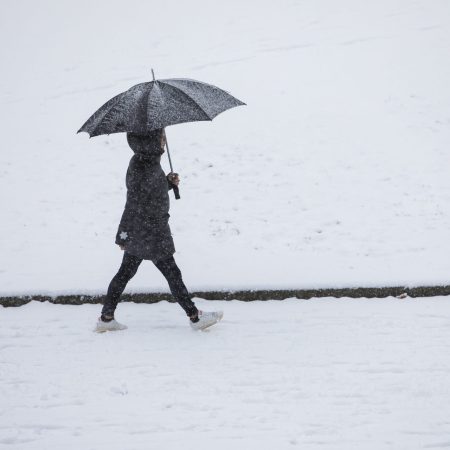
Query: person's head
{"points": [[149, 146]]}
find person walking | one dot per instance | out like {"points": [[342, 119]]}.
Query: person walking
{"points": [[144, 232]]}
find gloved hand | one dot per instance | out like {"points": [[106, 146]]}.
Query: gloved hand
{"points": [[173, 178]]}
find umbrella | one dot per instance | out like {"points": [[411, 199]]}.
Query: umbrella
{"points": [[157, 104]]}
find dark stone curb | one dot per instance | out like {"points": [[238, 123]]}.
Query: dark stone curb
{"points": [[244, 295]]}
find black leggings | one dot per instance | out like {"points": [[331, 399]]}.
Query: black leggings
{"points": [[128, 269]]}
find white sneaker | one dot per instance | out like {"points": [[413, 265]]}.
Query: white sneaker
{"points": [[112, 325], [206, 319]]}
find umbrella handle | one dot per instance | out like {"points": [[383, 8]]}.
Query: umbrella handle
{"points": [[176, 191]]}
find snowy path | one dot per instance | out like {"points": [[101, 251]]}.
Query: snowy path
{"points": [[335, 374]]}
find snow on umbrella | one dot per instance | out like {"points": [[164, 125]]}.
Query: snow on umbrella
{"points": [[157, 104]]}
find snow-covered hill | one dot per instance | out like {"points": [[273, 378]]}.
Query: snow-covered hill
{"points": [[335, 174]]}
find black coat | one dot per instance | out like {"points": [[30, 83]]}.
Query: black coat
{"points": [[144, 229]]}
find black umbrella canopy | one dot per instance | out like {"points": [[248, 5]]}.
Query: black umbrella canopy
{"points": [[157, 104]]}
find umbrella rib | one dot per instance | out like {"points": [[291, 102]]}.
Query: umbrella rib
{"points": [[152, 85], [189, 98]]}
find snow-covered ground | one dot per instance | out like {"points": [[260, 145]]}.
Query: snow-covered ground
{"points": [[323, 374], [335, 174]]}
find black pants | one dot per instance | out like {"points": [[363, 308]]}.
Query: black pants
{"points": [[128, 269]]}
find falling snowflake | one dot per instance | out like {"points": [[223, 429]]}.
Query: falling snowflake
{"points": [[123, 235]]}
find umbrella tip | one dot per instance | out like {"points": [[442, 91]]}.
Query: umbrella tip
{"points": [[153, 75]]}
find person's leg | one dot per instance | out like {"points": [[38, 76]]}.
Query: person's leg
{"points": [[172, 273], [126, 271]]}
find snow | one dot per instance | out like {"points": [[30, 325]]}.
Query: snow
{"points": [[334, 175], [320, 374]]}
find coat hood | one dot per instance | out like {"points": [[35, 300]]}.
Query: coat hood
{"points": [[147, 147]]}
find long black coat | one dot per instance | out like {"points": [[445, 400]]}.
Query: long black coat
{"points": [[144, 229]]}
